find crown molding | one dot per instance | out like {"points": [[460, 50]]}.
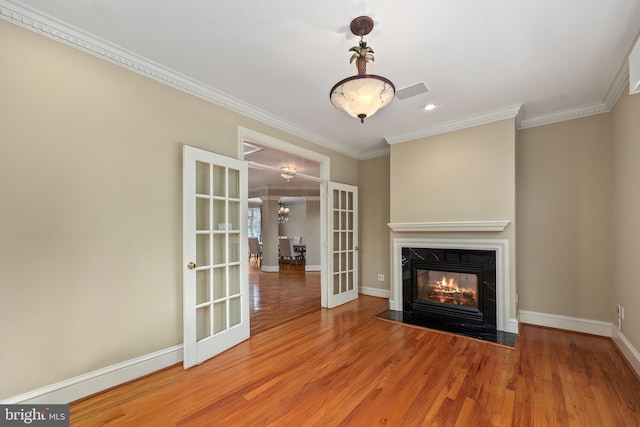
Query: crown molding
{"points": [[621, 81], [565, 114], [616, 89], [618, 86], [611, 97], [372, 154], [59, 31], [54, 29], [481, 119]]}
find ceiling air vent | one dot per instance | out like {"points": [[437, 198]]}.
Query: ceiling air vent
{"points": [[413, 90]]}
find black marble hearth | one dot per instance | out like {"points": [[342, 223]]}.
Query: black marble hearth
{"points": [[500, 337]]}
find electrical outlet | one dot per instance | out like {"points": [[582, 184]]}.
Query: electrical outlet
{"points": [[622, 312], [381, 277], [618, 310], [619, 324]]}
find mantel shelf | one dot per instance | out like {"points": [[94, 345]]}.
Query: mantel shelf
{"points": [[449, 226]]}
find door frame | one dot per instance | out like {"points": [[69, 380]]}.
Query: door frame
{"points": [[249, 135]]}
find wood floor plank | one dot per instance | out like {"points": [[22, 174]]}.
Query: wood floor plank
{"points": [[345, 367], [278, 297]]}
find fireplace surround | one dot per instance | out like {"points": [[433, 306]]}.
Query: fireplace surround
{"points": [[450, 289], [503, 320]]}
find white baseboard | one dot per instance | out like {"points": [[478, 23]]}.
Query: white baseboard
{"points": [[312, 268], [270, 268], [628, 350], [93, 382], [375, 292], [575, 324]]}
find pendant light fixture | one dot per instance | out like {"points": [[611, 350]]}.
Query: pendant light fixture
{"points": [[287, 172], [283, 213], [360, 96]]}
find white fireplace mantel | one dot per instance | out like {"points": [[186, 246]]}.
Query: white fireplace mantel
{"points": [[449, 226]]}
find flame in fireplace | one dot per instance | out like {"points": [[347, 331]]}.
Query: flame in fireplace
{"points": [[448, 291], [451, 285]]}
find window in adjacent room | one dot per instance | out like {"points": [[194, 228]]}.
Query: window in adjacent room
{"points": [[255, 217]]}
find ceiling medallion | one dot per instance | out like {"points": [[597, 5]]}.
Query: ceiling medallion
{"points": [[360, 96]]}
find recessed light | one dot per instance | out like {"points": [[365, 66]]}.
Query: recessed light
{"points": [[429, 107]]}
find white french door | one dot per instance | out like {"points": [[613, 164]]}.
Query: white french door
{"points": [[215, 282], [343, 244]]}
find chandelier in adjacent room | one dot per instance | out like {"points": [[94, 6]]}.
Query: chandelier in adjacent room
{"points": [[360, 96], [283, 213]]}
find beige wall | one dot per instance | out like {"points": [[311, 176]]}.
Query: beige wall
{"points": [[297, 224], [564, 218], [373, 205], [466, 175], [626, 206], [312, 236], [90, 208]]}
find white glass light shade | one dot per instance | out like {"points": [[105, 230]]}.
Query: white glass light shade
{"points": [[287, 173], [362, 95]]}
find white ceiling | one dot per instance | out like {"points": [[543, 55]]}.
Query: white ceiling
{"points": [[277, 60], [262, 155]]}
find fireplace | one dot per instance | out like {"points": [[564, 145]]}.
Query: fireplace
{"points": [[414, 251], [450, 289]]}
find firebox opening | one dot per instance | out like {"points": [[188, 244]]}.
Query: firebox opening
{"points": [[446, 287]]}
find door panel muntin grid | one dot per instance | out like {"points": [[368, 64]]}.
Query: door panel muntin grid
{"points": [[343, 247], [218, 249]]}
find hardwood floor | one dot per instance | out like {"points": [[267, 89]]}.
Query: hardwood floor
{"points": [[276, 298], [345, 367]]}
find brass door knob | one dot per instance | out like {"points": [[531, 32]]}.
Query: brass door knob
{"points": [[191, 265]]}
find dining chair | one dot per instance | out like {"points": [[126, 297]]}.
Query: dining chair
{"points": [[287, 253], [254, 249]]}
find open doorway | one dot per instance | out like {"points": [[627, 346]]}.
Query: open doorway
{"points": [[290, 177], [292, 288]]}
